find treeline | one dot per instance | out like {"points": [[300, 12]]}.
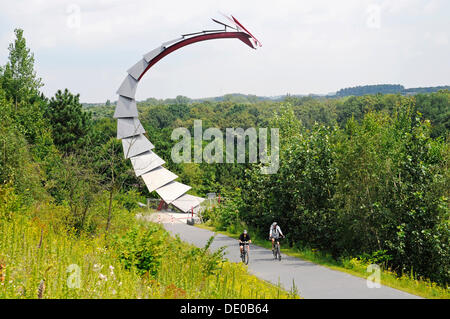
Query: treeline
{"points": [[387, 89], [232, 97], [309, 110], [371, 89], [251, 98]]}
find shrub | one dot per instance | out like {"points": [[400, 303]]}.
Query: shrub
{"points": [[10, 202], [142, 248]]}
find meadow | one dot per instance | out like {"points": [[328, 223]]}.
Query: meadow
{"points": [[47, 262]]}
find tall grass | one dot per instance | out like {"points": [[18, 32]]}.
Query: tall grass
{"points": [[45, 261], [228, 280], [57, 261]]}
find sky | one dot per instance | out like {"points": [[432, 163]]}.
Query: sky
{"points": [[308, 47]]}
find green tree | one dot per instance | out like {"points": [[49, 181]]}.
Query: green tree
{"points": [[436, 108], [20, 81], [70, 124]]}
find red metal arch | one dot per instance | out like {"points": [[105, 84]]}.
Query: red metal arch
{"points": [[244, 37]]}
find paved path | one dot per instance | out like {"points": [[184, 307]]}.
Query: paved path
{"points": [[311, 280]]}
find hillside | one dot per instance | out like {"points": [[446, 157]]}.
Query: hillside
{"points": [[251, 98]]}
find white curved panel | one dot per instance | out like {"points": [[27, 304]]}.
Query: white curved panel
{"points": [[127, 127], [187, 202], [146, 162], [126, 107], [136, 70], [166, 44], [172, 191], [153, 53], [136, 145], [128, 87], [158, 177]]}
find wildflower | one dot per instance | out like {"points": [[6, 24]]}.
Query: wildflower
{"points": [[111, 270], [102, 277], [98, 267], [20, 291]]}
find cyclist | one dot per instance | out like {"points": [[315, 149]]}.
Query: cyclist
{"points": [[244, 237], [275, 233]]}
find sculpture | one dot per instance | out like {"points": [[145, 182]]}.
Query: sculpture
{"points": [[135, 144]]}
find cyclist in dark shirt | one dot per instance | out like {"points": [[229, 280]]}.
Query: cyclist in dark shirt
{"points": [[244, 237]]}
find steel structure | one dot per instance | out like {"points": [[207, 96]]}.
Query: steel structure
{"points": [[136, 145]]}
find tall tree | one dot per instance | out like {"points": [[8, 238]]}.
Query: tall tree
{"points": [[70, 124], [20, 81]]}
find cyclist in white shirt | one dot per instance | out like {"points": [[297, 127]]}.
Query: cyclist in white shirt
{"points": [[275, 233]]}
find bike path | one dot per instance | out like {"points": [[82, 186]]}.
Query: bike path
{"points": [[312, 280]]}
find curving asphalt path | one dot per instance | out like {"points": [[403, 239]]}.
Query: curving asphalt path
{"points": [[312, 280]]}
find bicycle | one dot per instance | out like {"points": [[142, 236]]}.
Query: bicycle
{"points": [[276, 250], [245, 256]]}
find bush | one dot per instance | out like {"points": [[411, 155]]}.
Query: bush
{"points": [[129, 199], [10, 202], [142, 248], [17, 167], [225, 215]]}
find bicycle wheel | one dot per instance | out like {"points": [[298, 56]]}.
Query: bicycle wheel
{"points": [[246, 258], [278, 252]]}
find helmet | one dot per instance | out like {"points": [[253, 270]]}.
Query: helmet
{"points": [[245, 231], [274, 224]]}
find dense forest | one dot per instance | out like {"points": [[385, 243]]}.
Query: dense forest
{"points": [[251, 98], [363, 176]]}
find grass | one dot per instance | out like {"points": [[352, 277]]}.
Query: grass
{"points": [[69, 266], [406, 282], [46, 261]]}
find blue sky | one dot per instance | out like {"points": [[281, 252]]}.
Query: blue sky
{"points": [[308, 46]]}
